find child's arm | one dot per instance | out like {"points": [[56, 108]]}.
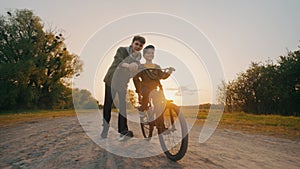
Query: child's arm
{"points": [[137, 83]]}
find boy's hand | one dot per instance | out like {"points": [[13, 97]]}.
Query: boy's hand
{"points": [[171, 69]]}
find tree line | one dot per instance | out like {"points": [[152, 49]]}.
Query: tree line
{"points": [[35, 64], [265, 88]]}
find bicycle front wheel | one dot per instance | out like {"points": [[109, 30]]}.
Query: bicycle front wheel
{"points": [[174, 140], [147, 129]]}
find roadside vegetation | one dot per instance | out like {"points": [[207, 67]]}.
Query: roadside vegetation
{"points": [[275, 125]]}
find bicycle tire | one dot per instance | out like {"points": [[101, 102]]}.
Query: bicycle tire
{"points": [[174, 155]]}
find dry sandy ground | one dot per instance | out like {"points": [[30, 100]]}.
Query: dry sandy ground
{"points": [[62, 143]]}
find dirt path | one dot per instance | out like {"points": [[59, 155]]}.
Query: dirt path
{"points": [[62, 143]]}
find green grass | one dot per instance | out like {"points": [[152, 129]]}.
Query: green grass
{"points": [[282, 126], [261, 120]]}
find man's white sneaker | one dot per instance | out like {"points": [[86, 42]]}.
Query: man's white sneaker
{"points": [[126, 135]]}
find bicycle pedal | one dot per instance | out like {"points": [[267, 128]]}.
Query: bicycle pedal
{"points": [[166, 132], [172, 129]]}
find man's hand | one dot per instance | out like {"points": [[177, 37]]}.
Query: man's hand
{"points": [[133, 67]]}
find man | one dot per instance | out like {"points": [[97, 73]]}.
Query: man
{"points": [[124, 66]]}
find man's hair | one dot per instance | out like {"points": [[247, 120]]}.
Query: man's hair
{"points": [[139, 38], [148, 47]]}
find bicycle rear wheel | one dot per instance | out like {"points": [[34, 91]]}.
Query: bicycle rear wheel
{"points": [[174, 141]]}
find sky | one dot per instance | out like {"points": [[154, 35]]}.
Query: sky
{"points": [[193, 34]]}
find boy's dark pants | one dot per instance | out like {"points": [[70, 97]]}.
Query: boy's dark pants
{"points": [[159, 103]]}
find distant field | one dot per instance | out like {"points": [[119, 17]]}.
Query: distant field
{"points": [[282, 126]]}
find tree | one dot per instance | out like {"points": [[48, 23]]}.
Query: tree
{"points": [[83, 99], [289, 80], [35, 65], [266, 88]]}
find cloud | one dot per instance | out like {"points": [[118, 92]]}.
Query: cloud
{"points": [[171, 88], [183, 90]]}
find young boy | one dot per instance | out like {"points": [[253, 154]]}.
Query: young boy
{"points": [[124, 66], [148, 81]]}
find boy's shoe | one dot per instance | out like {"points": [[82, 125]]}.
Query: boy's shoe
{"points": [[125, 135], [105, 131]]}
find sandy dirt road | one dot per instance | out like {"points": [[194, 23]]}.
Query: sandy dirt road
{"points": [[61, 142]]}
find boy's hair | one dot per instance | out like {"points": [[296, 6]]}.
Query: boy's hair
{"points": [[139, 38], [148, 47]]}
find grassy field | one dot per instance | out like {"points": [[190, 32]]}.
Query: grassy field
{"points": [[285, 126], [11, 118], [282, 126]]}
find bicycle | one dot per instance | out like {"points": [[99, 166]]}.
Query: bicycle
{"points": [[174, 137]]}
